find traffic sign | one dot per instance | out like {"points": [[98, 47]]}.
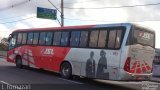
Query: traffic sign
{"points": [[46, 13]]}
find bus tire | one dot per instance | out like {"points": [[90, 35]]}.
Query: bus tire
{"points": [[66, 70], [19, 62]]}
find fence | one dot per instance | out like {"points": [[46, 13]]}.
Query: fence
{"points": [[3, 54]]}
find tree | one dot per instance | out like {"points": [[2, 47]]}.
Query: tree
{"points": [[3, 44]]}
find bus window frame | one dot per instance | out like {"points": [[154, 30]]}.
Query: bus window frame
{"points": [[20, 43], [34, 37], [28, 37], [117, 36], [68, 38], [23, 37], [106, 38], [114, 39], [123, 28], [96, 30], [39, 38], [73, 34], [51, 43], [87, 42], [54, 38]]}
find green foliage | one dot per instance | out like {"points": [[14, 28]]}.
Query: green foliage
{"points": [[4, 44]]}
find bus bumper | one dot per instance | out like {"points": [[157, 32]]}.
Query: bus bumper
{"points": [[135, 77]]}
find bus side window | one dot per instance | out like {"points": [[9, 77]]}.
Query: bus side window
{"points": [[24, 40], [83, 39], [102, 38], [49, 38], [19, 39], [118, 38], [42, 38], [112, 37], [36, 36], [64, 39], [74, 40], [93, 38], [57, 38], [30, 38]]}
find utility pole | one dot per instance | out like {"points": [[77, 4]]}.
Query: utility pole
{"points": [[62, 14]]}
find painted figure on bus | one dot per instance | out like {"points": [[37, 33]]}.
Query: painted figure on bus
{"points": [[90, 66], [102, 67]]}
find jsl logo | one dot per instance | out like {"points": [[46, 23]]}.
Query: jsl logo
{"points": [[145, 35], [47, 51]]}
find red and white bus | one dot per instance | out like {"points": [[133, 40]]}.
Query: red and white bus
{"points": [[120, 51]]}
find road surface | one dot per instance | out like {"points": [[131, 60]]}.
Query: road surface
{"points": [[12, 78]]}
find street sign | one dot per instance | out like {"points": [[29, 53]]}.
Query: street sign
{"points": [[46, 13]]}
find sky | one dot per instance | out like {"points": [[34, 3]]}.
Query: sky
{"points": [[21, 14]]}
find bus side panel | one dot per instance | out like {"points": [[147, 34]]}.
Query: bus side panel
{"points": [[50, 57], [94, 63], [11, 56], [46, 57], [19, 51]]}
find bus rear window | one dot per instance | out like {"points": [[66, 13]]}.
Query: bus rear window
{"points": [[143, 37]]}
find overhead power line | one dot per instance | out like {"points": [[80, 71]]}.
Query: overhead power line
{"points": [[125, 6], [54, 6], [61, 12], [15, 5], [18, 20], [84, 19], [108, 21], [81, 2]]}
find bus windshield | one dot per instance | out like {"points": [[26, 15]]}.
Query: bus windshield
{"points": [[144, 37], [12, 42]]}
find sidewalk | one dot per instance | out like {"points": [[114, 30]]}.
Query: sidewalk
{"points": [[2, 59]]}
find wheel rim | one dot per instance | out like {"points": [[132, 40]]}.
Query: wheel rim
{"points": [[66, 71]]}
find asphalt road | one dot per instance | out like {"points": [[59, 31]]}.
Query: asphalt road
{"points": [[12, 78]]}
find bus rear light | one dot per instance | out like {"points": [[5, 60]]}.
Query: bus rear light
{"points": [[127, 64]]}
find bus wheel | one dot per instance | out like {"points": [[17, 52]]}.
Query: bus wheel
{"points": [[19, 62], [66, 70]]}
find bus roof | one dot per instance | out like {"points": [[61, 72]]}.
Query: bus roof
{"points": [[80, 27], [72, 27]]}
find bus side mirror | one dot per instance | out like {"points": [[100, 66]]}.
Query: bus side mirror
{"points": [[10, 36]]}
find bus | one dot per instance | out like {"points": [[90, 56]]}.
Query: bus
{"points": [[156, 64], [120, 51]]}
